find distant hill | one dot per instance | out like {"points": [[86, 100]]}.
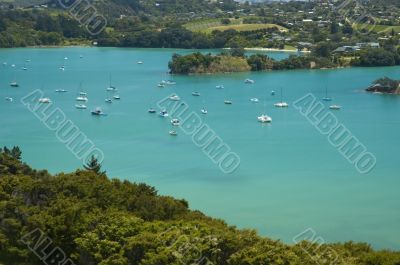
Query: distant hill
{"points": [[149, 7]]}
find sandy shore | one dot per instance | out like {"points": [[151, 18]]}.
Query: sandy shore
{"points": [[274, 50]]}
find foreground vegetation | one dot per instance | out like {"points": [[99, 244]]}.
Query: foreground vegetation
{"points": [[95, 220]]}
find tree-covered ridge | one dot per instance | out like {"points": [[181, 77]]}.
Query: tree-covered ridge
{"points": [[95, 220]]}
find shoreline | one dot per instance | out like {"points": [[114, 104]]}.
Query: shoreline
{"points": [[274, 50]]}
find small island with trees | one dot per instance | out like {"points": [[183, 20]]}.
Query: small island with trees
{"points": [[385, 85], [235, 60]]}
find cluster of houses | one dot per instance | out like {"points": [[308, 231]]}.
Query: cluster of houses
{"points": [[355, 48]]}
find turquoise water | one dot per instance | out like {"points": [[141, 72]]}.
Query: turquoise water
{"points": [[290, 177]]}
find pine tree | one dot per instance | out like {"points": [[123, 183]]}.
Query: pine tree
{"points": [[94, 165]]}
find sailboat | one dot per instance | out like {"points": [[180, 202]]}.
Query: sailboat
{"points": [[14, 83], [111, 87], [82, 95], [281, 104], [326, 98]]}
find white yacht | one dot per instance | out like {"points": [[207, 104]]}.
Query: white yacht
{"points": [[116, 97], [335, 107], [45, 100], [220, 87], [249, 81], [228, 102], [108, 100], [281, 105], [174, 98], [254, 100], [196, 94], [175, 122], [204, 111], [82, 98], [9, 99], [80, 106], [163, 113], [264, 119]]}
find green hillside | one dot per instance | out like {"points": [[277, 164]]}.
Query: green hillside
{"points": [[91, 219]]}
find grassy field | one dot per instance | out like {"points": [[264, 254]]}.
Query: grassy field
{"points": [[377, 28], [209, 25]]}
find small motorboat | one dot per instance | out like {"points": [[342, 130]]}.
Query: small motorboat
{"points": [[61, 91], [249, 81], [175, 122], [228, 102], [139, 62], [9, 99], [13, 65], [161, 85], [44, 100], [24, 68], [14, 84], [281, 105], [98, 112], [116, 97], [163, 113], [196, 94], [173, 133], [169, 82], [82, 98], [82, 93], [220, 87], [62, 68], [327, 99], [151, 110], [108, 100], [80, 106], [273, 93], [203, 111], [174, 98], [65, 58], [335, 107], [264, 119], [254, 100]]}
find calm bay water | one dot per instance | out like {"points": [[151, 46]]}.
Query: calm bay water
{"points": [[290, 177]]}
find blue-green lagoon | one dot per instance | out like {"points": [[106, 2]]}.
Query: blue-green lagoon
{"points": [[290, 177]]}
